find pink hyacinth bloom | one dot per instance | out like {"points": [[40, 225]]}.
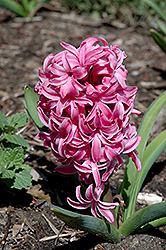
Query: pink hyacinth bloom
{"points": [[85, 104], [98, 208]]}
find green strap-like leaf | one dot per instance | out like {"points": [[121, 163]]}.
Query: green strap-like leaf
{"points": [[152, 224], [152, 152], [14, 7], [89, 224], [32, 6], [142, 217], [148, 121], [130, 180], [162, 26], [31, 100], [25, 5], [159, 39], [158, 10]]}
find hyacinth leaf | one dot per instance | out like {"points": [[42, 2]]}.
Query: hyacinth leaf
{"points": [[142, 217], [25, 5], [14, 7], [152, 224], [159, 39], [130, 180], [158, 10], [162, 26], [156, 146], [149, 120], [32, 6], [31, 100], [88, 223]]}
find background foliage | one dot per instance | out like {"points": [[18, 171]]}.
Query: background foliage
{"points": [[13, 147], [113, 8]]}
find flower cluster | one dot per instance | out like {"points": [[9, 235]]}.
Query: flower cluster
{"points": [[85, 103]]}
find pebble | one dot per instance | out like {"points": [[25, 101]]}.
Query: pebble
{"points": [[135, 73], [148, 199], [148, 84], [140, 64]]}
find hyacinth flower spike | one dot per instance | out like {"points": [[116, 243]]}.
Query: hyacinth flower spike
{"points": [[85, 105]]}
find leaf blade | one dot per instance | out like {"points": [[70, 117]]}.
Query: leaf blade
{"points": [[22, 180], [142, 217], [18, 120], [158, 10], [127, 188], [31, 100], [159, 39], [16, 139], [88, 223], [14, 7]]}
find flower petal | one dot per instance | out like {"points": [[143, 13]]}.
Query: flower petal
{"points": [[107, 214], [77, 205], [79, 196], [96, 149], [66, 169]]}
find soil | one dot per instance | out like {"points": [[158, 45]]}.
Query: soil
{"points": [[26, 221]]}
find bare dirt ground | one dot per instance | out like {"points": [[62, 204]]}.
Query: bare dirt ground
{"points": [[26, 221]]}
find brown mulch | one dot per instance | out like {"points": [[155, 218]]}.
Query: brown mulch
{"points": [[26, 221]]}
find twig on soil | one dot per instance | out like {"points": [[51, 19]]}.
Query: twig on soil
{"points": [[17, 228], [21, 215], [59, 234], [34, 142], [21, 130], [55, 236], [56, 231]]}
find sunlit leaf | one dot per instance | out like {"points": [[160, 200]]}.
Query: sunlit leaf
{"points": [[159, 39], [22, 179], [16, 139], [158, 10], [142, 217], [18, 120], [14, 7], [131, 176], [89, 224], [31, 100]]}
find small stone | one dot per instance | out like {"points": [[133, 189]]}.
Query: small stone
{"points": [[147, 84], [135, 73]]}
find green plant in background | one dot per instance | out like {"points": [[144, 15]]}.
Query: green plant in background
{"points": [[101, 8], [13, 147], [159, 38], [24, 8], [124, 9]]}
